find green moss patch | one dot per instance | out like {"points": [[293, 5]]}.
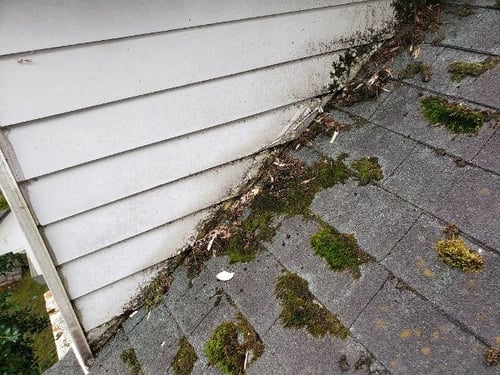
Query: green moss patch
{"points": [[453, 251], [492, 356], [291, 187], [461, 69], [457, 118], [242, 246], [288, 189], [340, 250], [367, 170], [301, 310], [413, 69], [232, 345], [3, 203], [129, 358], [185, 358]]}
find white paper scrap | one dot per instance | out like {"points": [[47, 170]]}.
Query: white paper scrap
{"points": [[225, 276]]}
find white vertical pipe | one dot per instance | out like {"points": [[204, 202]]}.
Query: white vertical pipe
{"points": [[26, 220]]}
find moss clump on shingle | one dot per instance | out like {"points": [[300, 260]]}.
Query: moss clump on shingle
{"points": [[242, 246], [301, 310], [340, 250], [453, 251], [129, 358], [231, 344], [185, 358], [492, 356], [460, 69], [413, 69], [457, 118], [367, 170], [291, 191]]}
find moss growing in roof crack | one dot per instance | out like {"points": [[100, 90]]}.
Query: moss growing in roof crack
{"points": [[453, 251], [460, 69], [153, 293], [411, 70], [367, 170], [232, 344], [340, 250], [129, 358], [185, 358], [457, 118], [465, 10], [301, 310]]}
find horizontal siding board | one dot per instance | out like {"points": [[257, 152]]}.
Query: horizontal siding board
{"points": [[62, 23], [69, 79], [110, 224], [108, 265], [56, 143], [108, 180], [104, 304]]}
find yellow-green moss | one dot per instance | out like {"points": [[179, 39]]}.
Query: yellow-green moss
{"points": [[228, 346], [129, 358], [460, 69], [457, 118], [340, 250], [185, 358], [453, 251], [3, 203], [367, 170], [301, 310], [413, 69], [492, 356]]}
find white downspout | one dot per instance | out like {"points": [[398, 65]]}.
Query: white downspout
{"points": [[42, 256]]}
